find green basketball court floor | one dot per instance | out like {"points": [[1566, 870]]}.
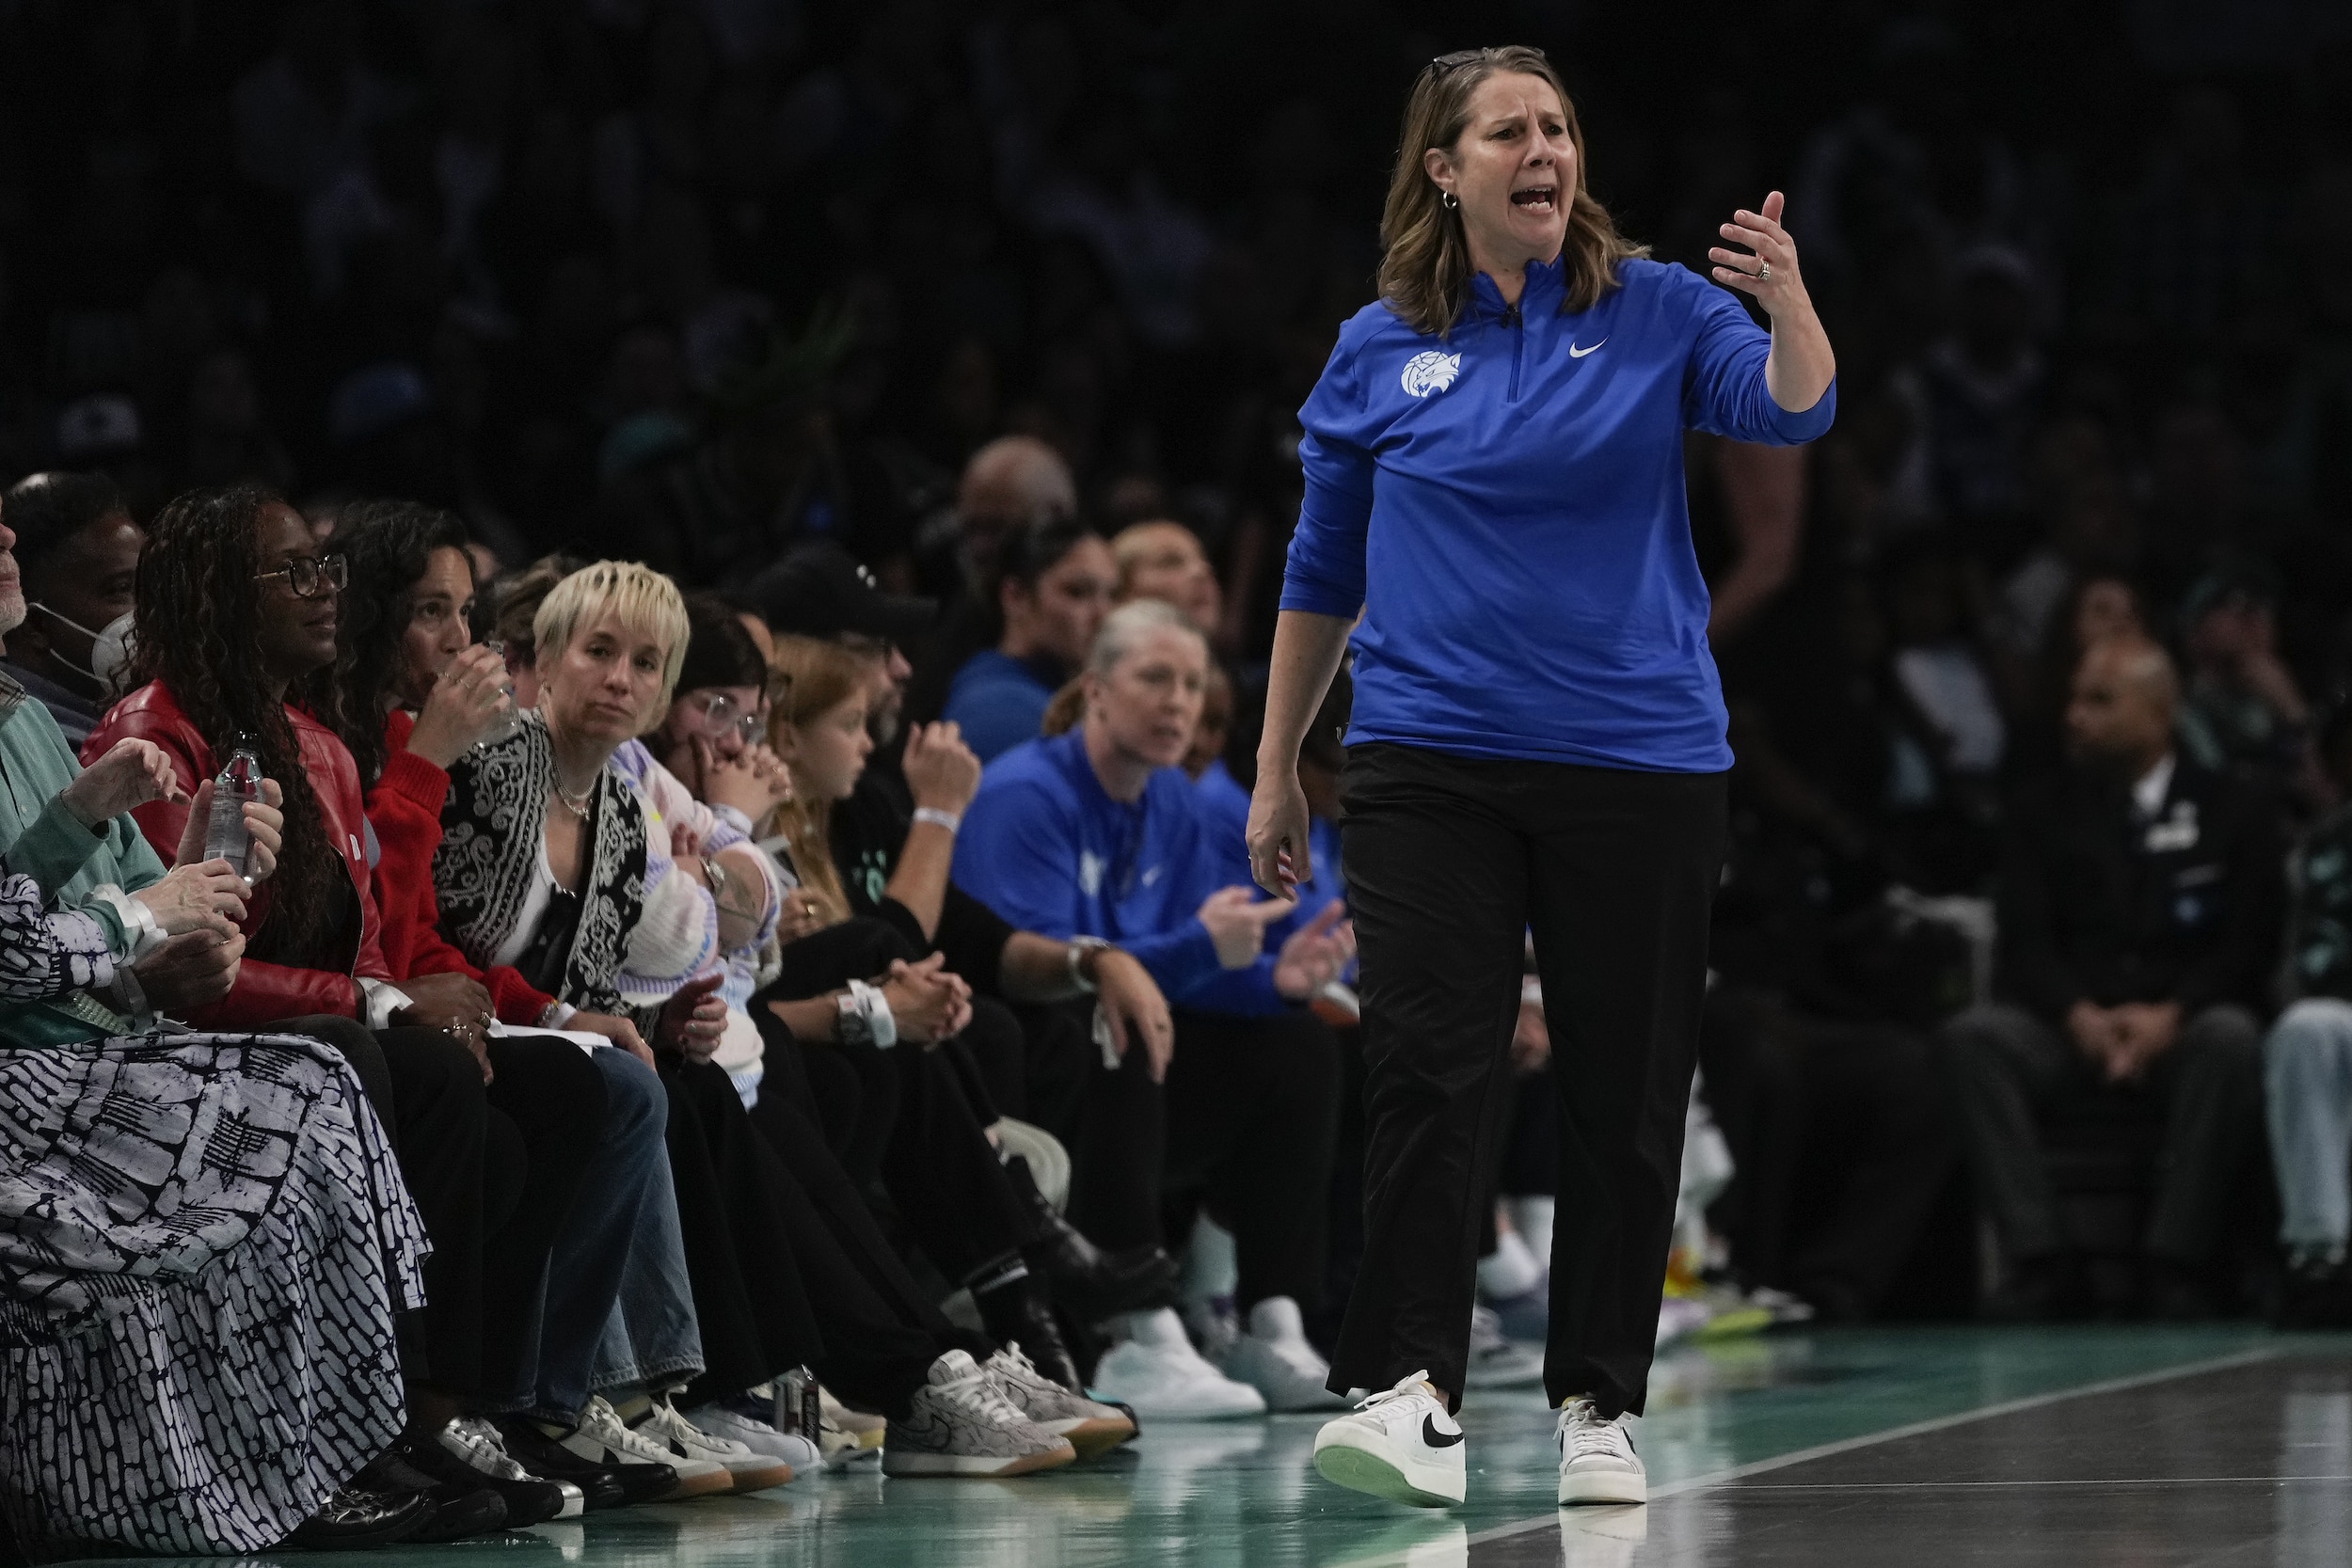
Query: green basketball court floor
{"points": [[1911, 1448]]}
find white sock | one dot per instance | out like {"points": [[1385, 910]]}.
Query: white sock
{"points": [[1532, 1215], [1508, 1270], [1211, 1264]]}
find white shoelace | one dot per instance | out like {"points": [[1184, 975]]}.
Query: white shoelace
{"points": [[1415, 1385], [1583, 1432], [485, 1451], [981, 1392]]}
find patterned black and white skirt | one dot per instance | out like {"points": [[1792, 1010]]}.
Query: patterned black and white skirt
{"points": [[204, 1241]]}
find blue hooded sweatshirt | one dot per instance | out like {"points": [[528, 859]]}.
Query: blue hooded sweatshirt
{"points": [[1045, 846], [1505, 505]]}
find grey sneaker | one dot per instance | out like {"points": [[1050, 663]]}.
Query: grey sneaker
{"points": [[1091, 1429], [960, 1423]]}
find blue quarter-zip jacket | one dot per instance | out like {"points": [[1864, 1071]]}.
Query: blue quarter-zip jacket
{"points": [[1043, 845], [1505, 505]]}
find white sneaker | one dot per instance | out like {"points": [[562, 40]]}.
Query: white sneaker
{"points": [[747, 1471], [847, 1436], [961, 1424], [1159, 1372], [1400, 1445], [1276, 1359], [601, 1439], [797, 1453], [1091, 1428], [1495, 1361], [1598, 1463]]}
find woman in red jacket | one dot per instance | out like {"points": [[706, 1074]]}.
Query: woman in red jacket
{"points": [[413, 693], [236, 609]]}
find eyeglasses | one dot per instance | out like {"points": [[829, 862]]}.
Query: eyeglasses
{"points": [[719, 714], [306, 576]]}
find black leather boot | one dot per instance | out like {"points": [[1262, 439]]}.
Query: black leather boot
{"points": [[1017, 1312], [1092, 1284]]}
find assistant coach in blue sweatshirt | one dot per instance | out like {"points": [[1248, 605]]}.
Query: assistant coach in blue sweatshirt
{"points": [[1494, 480]]}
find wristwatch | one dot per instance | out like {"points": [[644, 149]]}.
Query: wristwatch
{"points": [[853, 1027], [1079, 948]]}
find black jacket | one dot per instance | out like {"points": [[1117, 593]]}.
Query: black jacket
{"points": [[2097, 904]]}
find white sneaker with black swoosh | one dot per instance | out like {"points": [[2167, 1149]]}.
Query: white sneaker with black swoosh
{"points": [[1400, 1445]]}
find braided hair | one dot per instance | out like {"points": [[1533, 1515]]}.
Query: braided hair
{"points": [[199, 616], [388, 546]]}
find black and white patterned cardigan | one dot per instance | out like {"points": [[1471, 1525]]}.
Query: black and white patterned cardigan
{"points": [[492, 828]]}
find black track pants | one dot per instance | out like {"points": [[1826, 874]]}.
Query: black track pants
{"points": [[1449, 862]]}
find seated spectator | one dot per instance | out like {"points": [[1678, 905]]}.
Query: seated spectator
{"points": [[2138, 904], [923, 1112], [549, 862], [495, 1135], [1098, 835], [2243, 711], [79, 552], [1164, 560], [259, 1343], [414, 694], [2099, 606], [99, 941], [1054, 587], [893, 869], [2308, 1064], [715, 774]]}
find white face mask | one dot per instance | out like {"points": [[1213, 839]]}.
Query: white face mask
{"points": [[110, 658]]}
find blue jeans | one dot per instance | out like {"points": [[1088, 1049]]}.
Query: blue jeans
{"points": [[2307, 1070], [619, 1312]]}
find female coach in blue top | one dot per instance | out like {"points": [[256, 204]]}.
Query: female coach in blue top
{"points": [[1494, 480]]}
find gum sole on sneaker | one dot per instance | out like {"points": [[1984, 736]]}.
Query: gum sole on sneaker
{"points": [[1360, 1471], [778, 1474], [698, 1486], [1092, 1438], [1578, 1490], [976, 1465]]}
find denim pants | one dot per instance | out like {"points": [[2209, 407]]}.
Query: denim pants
{"points": [[601, 1335], [2306, 1072]]}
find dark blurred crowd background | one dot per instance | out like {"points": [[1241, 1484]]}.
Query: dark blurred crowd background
{"points": [[695, 281]]}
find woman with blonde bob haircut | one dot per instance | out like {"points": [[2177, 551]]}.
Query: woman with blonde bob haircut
{"points": [[1494, 506]]}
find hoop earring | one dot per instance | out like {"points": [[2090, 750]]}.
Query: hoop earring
{"points": [[1448, 200]]}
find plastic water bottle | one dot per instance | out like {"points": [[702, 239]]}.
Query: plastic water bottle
{"points": [[226, 836]]}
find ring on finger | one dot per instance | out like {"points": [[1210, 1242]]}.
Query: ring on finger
{"points": [[1764, 272]]}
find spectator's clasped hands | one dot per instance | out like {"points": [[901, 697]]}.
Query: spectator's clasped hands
{"points": [[930, 1004], [755, 781], [2123, 1039]]}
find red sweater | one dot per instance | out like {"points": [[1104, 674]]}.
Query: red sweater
{"points": [[404, 809]]}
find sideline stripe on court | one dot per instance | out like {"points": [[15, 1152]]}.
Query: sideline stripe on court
{"points": [[1911, 1429]]}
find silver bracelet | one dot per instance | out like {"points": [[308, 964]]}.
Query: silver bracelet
{"points": [[1075, 955], [938, 819]]}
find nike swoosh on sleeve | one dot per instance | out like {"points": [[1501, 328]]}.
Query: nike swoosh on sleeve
{"points": [[1575, 352]]}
